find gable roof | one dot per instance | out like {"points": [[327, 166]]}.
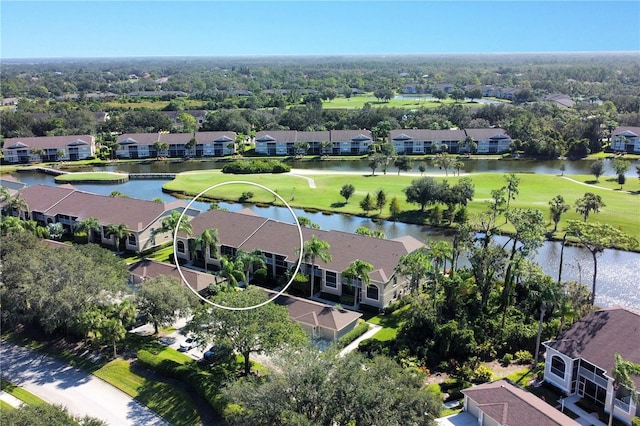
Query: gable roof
{"points": [[484, 134], [627, 131], [599, 335], [149, 268], [48, 142], [66, 200], [507, 404], [427, 135], [316, 314], [350, 135]]}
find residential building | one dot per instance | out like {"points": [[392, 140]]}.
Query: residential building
{"points": [[626, 139], [503, 403], [198, 144], [283, 142], [319, 320], [279, 243], [66, 205], [581, 360], [490, 141], [49, 148], [425, 141]]}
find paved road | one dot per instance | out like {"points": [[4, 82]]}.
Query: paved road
{"points": [[81, 393]]}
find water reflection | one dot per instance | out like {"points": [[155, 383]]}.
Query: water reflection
{"points": [[618, 278]]}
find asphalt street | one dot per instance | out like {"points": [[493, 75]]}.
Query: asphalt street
{"points": [[82, 394]]}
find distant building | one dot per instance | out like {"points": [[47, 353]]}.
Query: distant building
{"points": [[626, 139], [49, 148]]}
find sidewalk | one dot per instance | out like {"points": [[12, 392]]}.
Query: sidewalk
{"points": [[10, 399], [373, 329]]}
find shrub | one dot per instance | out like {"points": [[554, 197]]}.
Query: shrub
{"points": [[360, 329], [246, 196], [524, 357], [507, 359], [255, 166], [635, 421], [482, 374]]}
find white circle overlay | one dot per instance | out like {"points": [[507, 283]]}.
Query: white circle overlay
{"points": [[175, 245]]}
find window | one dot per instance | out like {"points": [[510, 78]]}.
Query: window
{"points": [[373, 292], [558, 366], [132, 240], [331, 279], [180, 247]]}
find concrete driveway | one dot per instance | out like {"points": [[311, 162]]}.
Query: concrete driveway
{"points": [[82, 394]]}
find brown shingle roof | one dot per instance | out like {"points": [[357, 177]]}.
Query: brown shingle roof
{"points": [[316, 314], [48, 142], [509, 405], [484, 134], [250, 232], [348, 135], [41, 198], [428, 135], [277, 135], [600, 335], [148, 268]]}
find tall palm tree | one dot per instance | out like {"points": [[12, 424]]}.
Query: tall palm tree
{"points": [[206, 242], [250, 260], [89, 226], [232, 271], [621, 374], [118, 232], [315, 249], [549, 295], [358, 270]]}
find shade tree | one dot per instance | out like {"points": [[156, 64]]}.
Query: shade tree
{"points": [[162, 300], [557, 207], [590, 202], [347, 191], [264, 329]]}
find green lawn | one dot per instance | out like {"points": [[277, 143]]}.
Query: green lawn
{"points": [[20, 393], [360, 100], [172, 403], [390, 324], [105, 177], [4, 406], [535, 191]]}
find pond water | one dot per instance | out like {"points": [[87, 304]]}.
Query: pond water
{"points": [[470, 166], [618, 276]]}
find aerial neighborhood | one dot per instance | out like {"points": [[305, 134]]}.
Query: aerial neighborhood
{"points": [[490, 279]]}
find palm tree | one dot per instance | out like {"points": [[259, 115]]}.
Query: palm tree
{"points": [[549, 295], [315, 249], [170, 223], [118, 232], [232, 271], [358, 270], [207, 241], [89, 226], [37, 230], [11, 224], [416, 265], [250, 260], [20, 205], [621, 374], [4, 194]]}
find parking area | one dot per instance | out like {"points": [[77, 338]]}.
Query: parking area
{"points": [[175, 339]]}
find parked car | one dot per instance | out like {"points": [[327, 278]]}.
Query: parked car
{"points": [[216, 353], [189, 343]]}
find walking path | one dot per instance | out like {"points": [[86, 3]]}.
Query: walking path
{"points": [[81, 393], [373, 329], [585, 418], [10, 399]]}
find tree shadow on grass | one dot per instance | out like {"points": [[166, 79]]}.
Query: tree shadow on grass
{"points": [[338, 205]]}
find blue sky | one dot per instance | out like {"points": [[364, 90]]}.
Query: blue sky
{"points": [[51, 29]]}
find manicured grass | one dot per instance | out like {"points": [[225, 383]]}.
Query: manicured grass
{"points": [[391, 324], [105, 177], [162, 255], [359, 101], [171, 403], [4, 406], [535, 191], [20, 393], [521, 377]]}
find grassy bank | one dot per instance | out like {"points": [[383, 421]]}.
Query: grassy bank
{"points": [[535, 191], [92, 177]]}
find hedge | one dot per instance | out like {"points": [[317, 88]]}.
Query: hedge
{"points": [[360, 329], [203, 382], [255, 166]]}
